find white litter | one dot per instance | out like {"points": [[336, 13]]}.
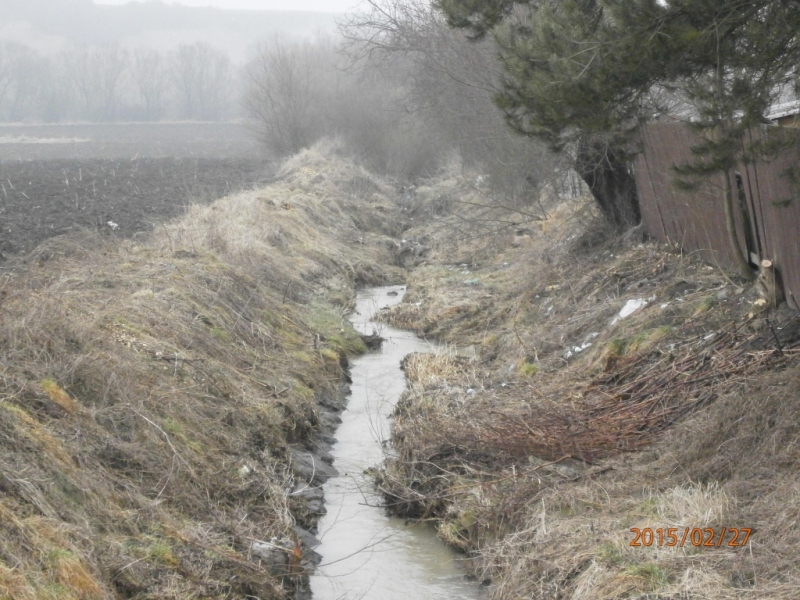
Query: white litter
{"points": [[631, 306], [577, 349], [113, 225]]}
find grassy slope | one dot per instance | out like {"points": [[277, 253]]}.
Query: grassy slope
{"points": [[149, 391], [537, 463]]}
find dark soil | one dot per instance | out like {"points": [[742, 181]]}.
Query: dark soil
{"points": [[40, 199]]}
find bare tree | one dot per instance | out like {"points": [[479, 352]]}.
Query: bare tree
{"points": [[81, 80], [109, 65], [149, 73], [452, 81], [6, 72], [29, 75], [25, 77], [285, 80], [203, 77]]}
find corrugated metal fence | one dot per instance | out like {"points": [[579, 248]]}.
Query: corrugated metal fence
{"points": [[767, 212]]}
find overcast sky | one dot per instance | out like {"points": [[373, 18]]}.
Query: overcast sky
{"points": [[312, 5]]}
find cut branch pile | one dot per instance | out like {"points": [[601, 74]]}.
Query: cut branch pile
{"points": [[636, 398]]}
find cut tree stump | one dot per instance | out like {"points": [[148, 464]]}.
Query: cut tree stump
{"points": [[768, 284]]}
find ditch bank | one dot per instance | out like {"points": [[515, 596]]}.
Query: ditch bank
{"points": [[614, 385], [159, 397]]}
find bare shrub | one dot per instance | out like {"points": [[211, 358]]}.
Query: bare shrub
{"points": [[300, 92], [449, 84]]}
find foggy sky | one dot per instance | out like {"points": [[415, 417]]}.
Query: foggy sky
{"points": [[309, 5]]}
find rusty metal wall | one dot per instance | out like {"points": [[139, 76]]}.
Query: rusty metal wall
{"points": [[696, 220]]}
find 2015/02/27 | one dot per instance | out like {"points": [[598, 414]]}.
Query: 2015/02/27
{"points": [[706, 537]]}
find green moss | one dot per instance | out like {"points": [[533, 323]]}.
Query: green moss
{"points": [[350, 342], [649, 507], [329, 354], [661, 332], [302, 357], [527, 369], [617, 347], [337, 331], [650, 572], [302, 392], [638, 342], [196, 447], [610, 554], [221, 334], [161, 552], [172, 426], [706, 304], [490, 340]]}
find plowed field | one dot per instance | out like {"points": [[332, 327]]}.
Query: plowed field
{"points": [[121, 179]]}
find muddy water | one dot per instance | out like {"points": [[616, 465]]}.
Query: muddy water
{"points": [[365, 553]]}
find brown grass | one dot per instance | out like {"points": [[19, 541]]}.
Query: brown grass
{"points": [[537, 462], [139, 379]]}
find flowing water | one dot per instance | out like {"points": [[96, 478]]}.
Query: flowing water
{"points": [[365, 553]]}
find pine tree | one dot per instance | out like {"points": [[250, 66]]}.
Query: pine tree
{"points": [[585, 74], [572, 81]]}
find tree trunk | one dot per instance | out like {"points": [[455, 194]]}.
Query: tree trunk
{"points": [[611, 182], [730, 224]]}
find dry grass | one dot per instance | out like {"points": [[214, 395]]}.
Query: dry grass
{"points": [[149, 391], [571, 429]]}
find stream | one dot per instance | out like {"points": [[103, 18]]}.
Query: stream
{"points": [[366, 553]]}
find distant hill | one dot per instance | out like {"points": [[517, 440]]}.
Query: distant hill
{"points": [[48, 24]]}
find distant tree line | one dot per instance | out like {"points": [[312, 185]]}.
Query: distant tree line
{"points": [[109, 83]]}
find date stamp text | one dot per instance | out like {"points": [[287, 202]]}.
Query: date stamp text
{"points": [[706, 537]]}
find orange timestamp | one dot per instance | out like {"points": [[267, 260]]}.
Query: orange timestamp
{"points": [[705, 537]]}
